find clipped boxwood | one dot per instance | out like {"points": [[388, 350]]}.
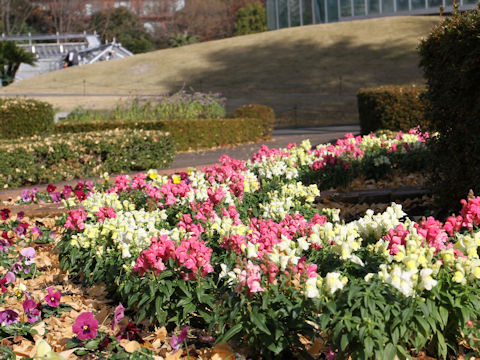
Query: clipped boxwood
{"points": [[263, 112], [392, 107], [188, 134], [58, 157], [25, 117]]}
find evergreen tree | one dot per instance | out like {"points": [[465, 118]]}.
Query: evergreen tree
{"points": [[11, 57]]}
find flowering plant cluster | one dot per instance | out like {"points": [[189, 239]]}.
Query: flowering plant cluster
{"points": [[240, 247]]}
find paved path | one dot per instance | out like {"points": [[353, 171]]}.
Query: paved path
{"points": [[280, 138]]}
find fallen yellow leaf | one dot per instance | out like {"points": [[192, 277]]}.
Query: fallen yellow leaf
{"points": [[173, 355], [130, 346], [222, 352]]}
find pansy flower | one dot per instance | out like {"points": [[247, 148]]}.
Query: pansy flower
{"points": [[85, 326], [8, 317], [5, 214], [31, 310], [53, 297]]}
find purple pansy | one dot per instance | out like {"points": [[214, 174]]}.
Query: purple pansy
{"points": [[53, 297], [85, 326], [8, 317]]}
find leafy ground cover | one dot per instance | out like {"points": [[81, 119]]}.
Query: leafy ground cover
{"points": [[239, 253], [65, 157]]}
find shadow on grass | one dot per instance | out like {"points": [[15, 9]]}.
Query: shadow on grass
{"points": [[307, 83]]}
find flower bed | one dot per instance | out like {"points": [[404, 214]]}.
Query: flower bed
{"points": [[59, 157], [240, 249]]}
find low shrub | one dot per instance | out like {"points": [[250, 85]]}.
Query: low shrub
{"points": [[181, 105], [25, 117], [188, 134], [392, 108], [263, 112], [55, 158]]}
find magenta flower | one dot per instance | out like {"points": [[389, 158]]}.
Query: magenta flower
{"points": [[53, 297], [119, 315], [8, 317], [176, 341], [4, 214], [51, 188], [21, 229], [56, 197], [85, 326], [31, 310]]}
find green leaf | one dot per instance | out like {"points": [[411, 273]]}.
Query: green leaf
{"points": [[184, 302], [234, 330], [390, 352], [443, 315], [92, 344], [395, 335], [259, 320], [423, 325], [158, 304], [181, 284], [441, 345], [368, 346], [344, 342]]}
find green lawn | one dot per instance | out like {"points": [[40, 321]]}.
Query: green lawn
{"points": [[308, 74]]}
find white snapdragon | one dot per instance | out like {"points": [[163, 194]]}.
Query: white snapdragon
{"points": [[334, 281]]}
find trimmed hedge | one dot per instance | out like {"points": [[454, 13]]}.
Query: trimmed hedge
{"points": [[56, 158], [450, 57], [188, 134], [263, 112], [25, 117], [392, 108]]}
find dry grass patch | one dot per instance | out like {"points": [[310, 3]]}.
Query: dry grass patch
{"points": [[327, 63]]}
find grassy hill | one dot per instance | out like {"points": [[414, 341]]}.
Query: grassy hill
{"points": [[308, 74]]}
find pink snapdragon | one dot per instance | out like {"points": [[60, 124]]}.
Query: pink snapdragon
{"points": [[432, 230], [75, 219], [191, 254], [396, 237], [105, 213], [268, 153], [453, 224], [470, 212], [250, 278]]}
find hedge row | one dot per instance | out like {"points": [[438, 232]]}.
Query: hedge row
{"points": [[25, 117], [55, 158], [392, 108], [192, 134], [449, 57]]}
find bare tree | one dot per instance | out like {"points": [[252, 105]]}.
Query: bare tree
{"points": [[14, 14], [66, 14]]}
